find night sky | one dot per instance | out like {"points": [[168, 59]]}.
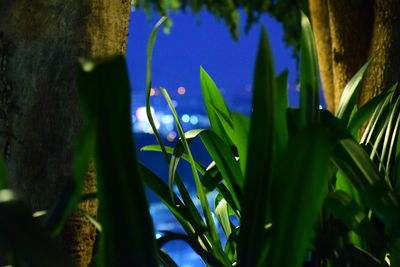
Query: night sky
{"points": [[203, 40]]}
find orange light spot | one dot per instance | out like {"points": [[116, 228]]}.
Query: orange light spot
{"points": [[171, 136], [181, 90], [152, 91]]}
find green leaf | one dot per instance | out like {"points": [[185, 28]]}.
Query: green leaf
{"points": [[225, 161], [221, 210], [350, 93], [298, 194], [361, 116], [200, 168], [211, 229], [355, 163], [150, 118], [166, 260], [178, 209], [213, 98], [309, 89], [281, 107], [241, 126], [347, 210], [192, 242], [127, 237], [260, 157], [231, 244]]}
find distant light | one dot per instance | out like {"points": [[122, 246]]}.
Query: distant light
{"points": [[158, 236], [169, 127], [153, 91], [194, 119], [167, 119], [133, 118], [181, 90], [175, 103], [171, 136], [321, 107], [185, 118], [141, 114], [147, 127]]}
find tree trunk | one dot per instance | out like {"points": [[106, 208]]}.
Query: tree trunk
{"points": [[385, 48], [358, 30], [320, 21], [40, 41]]}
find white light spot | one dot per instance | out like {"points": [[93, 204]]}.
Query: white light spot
{"points": [[185, 118], [194, 120]]}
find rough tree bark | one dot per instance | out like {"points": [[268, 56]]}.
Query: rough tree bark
{"points": [[348, 33], [40, 41]]}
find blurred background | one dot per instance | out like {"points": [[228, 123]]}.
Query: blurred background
{"points": [[194, 41]]}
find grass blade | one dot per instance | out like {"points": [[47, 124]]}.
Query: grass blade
{"points": [[309, 89], [350, 93], [213, 98]]}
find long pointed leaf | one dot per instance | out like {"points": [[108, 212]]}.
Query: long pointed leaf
{"points": [[127, 237], [260, 157], [309, 82]]}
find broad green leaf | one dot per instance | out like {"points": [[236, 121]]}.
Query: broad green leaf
{"points": [[346, 209], [281, 107], [21, 234], [354, 162], [297, 196], [127, 237], [241, 126], [309, 82], [237, 128], [350, 93], [342, 183], [225, 161], [213, 98], [260, 157]]}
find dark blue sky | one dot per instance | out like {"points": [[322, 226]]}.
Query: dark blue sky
{"points": [[205, 41]]}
